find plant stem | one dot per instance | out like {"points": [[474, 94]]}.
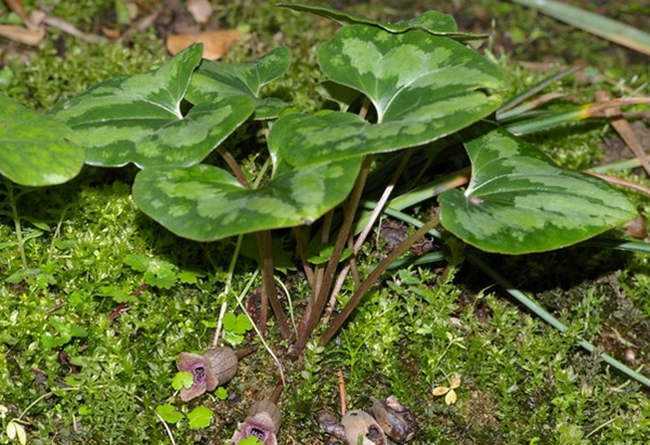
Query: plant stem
{"points": [[270, 294], [277, 393], [217, 332], [382, 201], [257, 331], [265, 249], [226, 290], [301, 242], [11, 197], [356, 248], [373, 277], [234, 167], [350, 211]]}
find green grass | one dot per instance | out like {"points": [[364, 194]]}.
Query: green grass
{"points": [[523, 383]]}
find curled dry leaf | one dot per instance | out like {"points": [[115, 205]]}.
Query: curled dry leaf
{"points": [[454, 382], [216, 44], [201, 10], [451, 397], [440, 391], [31, 37]]}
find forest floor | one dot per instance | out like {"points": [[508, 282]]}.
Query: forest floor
{"points": [[93, 340]]}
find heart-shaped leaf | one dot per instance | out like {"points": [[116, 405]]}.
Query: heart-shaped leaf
{"points": [[423, 87], [35, 150], [433, 22], [218, 79], [138, 119], [518, 202], [206, 203]]}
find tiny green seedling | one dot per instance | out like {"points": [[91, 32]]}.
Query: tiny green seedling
{"points": [[182, 379]]}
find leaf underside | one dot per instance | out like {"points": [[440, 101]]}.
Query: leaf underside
{"points": [[35, 150], [218, 80], [423, 87], [205, 203], [518, 202], [138, 119], [432, 22]]}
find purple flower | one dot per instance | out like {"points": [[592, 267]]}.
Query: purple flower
{"points": [[214, 368], [263, 424]]}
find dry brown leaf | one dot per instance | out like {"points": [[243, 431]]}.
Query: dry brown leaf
{"points": [[451, 397], [201, 10], [215, 43], [30, 37], [440, 391]]}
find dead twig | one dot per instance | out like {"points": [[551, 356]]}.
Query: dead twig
{"points": [[626, 132], [622, 183], [342, 394]]}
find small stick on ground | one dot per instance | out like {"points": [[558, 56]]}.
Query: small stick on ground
{"points": [[626, 132], [342, 394], [373, 277], [69, 28]]}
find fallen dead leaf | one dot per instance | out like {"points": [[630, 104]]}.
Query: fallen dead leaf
{"points": [[440, 391], [216, 44], [19, 34], [201, 10], [451, 397]]}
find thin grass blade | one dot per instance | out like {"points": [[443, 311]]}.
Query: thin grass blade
{"points": [[599, 25], [525, 300], [510, 108]]}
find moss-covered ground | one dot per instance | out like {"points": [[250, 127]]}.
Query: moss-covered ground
{"points": [[96, 340]]}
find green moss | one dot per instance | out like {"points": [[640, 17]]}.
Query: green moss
{"points": [[522, 382]]}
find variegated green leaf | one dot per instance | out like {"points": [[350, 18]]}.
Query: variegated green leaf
{"points": [[219, 79], [206, 203], [423, 87], [433, 22], [138, 119], [35, 150], [518, 202]]}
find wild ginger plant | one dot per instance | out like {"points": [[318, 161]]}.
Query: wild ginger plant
{"points": [[35, 151], [404, 89]]}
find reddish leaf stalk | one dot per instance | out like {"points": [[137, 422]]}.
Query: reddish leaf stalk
{"points": [[373, 277], [318, 307], [270, 294], [265, 249]]}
